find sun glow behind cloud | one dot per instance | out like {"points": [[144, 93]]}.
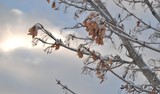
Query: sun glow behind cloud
{"points": [[24, 66], [15, 30], [13, 42]]}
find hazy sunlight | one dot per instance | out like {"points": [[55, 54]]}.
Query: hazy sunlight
{"points": [[14, 42]]}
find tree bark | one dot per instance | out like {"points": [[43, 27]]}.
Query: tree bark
{"points": [[138, 60]]}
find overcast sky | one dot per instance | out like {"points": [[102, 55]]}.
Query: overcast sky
{"points": [[25, 69]]}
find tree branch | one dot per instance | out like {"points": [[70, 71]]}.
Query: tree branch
{"points": [[152, 10], [152, 78], [76, 6], [124, 8], [64, 87]]}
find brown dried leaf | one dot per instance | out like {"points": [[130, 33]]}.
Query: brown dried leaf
{"points": [[33, 31], [101, 33], [94, 57], [80, 54], [91, 31], [48, 1], [104, 65], [101, 77], [57, 46], [86, 24], [98, 73], [93, 24], [53, 4], [99, 41]]}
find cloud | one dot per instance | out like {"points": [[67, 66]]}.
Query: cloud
{"points": [[28, 70], [31, 71], [14, 28], [17, 12], [24, 70]]}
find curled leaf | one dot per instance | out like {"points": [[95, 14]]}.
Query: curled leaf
{"points": [[53, 4], [56, 46], [80, 54], [33, 31], [94, 57], [99, 41]]}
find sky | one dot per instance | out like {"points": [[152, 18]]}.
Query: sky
{"points": [[25, 69]]}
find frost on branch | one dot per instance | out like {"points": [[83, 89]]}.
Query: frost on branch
{"points": [[33, 31], [99, 21]]}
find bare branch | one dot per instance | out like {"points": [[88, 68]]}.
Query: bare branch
{"points": [[85, 7], [152, 10], [64, 87]]}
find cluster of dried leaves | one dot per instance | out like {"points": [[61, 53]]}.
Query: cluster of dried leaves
{"points": [[96, 27], [99, 72], [100, 64], [101, 67], [33, 31]]}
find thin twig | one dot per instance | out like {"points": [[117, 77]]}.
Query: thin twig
{"points": [[64, 87]]}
